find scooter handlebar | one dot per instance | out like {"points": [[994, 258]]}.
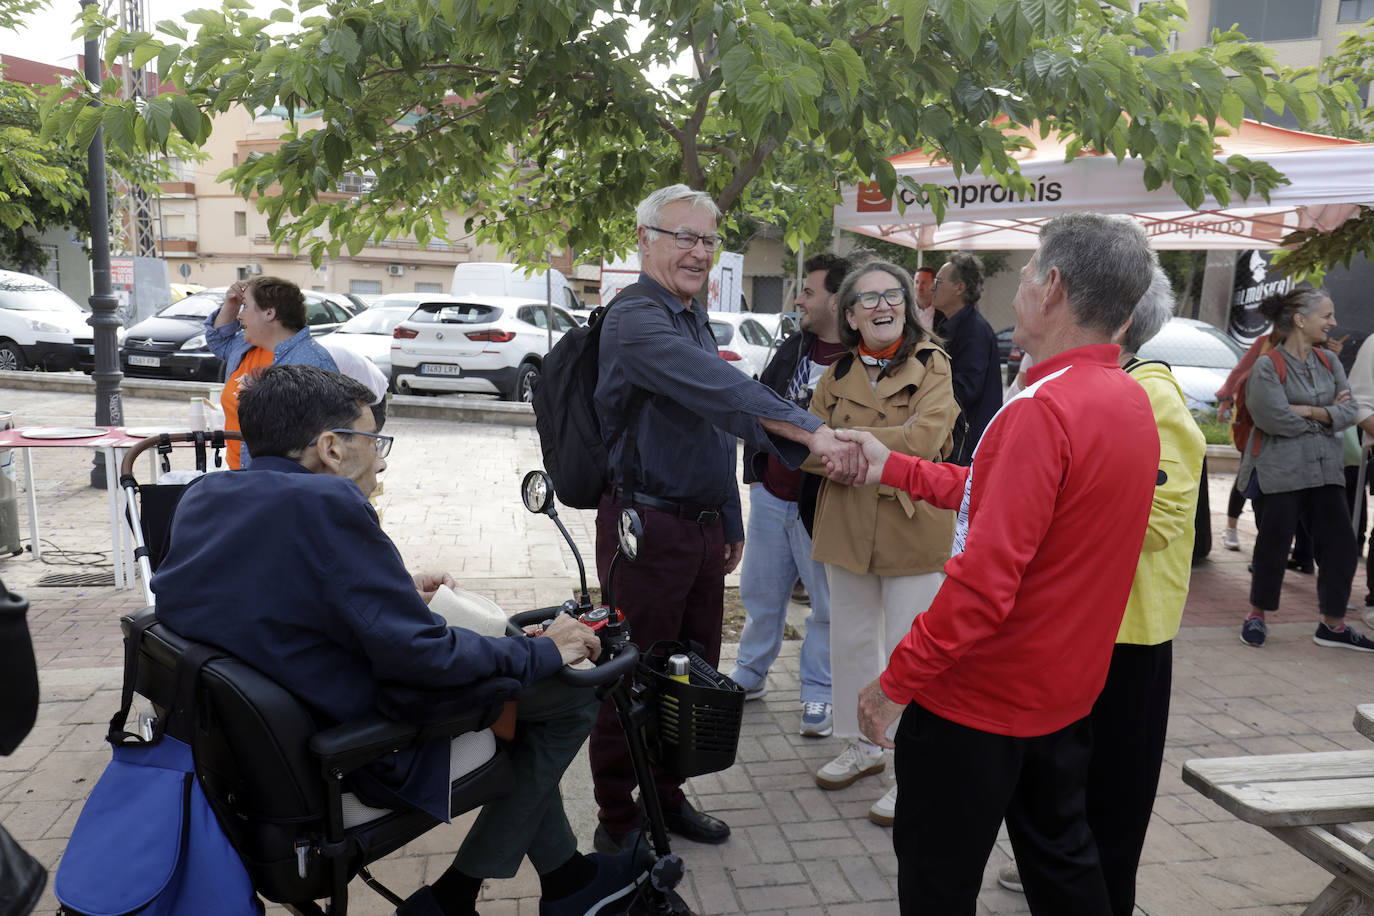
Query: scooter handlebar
{"points": [[605, 672]]}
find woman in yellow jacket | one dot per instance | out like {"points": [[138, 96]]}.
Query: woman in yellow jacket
{"points": [[882, 551]]}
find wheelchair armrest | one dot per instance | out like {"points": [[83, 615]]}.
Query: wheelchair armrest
{"points": [[411, 715], [350, 745]]}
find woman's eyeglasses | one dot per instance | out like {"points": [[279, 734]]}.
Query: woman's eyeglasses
{"points": [[894, 297]]}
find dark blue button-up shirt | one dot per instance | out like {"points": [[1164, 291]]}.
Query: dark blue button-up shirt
{"points": [[697, 404]]}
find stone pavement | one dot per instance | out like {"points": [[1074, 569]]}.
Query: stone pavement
{"points": [[450, 502]]}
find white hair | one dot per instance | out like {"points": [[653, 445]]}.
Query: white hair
{"points": [[650, 210], [1153, 309]]}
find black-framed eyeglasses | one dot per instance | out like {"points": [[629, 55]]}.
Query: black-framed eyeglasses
{"points": [[383, 443], [688, 240], [894, 297], [934, 284]]}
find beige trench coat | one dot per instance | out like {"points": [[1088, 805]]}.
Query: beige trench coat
{"points": [[877, 529]]}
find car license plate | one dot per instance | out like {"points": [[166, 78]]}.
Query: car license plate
{"points": [[439, 369], [145, 361]]}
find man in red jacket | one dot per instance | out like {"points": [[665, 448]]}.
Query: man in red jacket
{"points": [[994, 681]]}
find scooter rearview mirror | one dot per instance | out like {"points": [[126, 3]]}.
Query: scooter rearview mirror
{"points": [[631, 533], [537, 492]]}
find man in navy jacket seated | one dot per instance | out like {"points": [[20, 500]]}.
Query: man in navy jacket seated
{"points": [[285, 566]]}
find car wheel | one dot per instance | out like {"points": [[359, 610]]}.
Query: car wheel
{"points": [[11, 357], [525, 380]]}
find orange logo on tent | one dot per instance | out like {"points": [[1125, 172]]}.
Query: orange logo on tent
{"points": [[871, 199]]}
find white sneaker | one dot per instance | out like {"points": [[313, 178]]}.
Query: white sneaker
{"points": [[856, 761], [1369, 616], [1009, 876], [1230, 539], [885, 808]]}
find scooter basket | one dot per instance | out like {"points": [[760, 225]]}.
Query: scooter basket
{"points": [[693, 728]]}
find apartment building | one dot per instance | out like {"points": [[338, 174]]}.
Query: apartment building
{"points": [[211, 235], [1300, 32]]}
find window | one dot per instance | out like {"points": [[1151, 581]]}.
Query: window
{"points": [[429, 287], [1269, 20], [365, 287], [240, 222], [1355, 10]]}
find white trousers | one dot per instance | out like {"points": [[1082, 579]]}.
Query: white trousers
{"points": [[869, 616]]}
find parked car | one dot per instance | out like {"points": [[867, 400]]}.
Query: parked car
{"points": [[182, 290], [780, 326], [1009, 353], [171, 344], [742, 341], [369, 333], [1200, 356], [345, 301], [42, 327], [484, 344]]}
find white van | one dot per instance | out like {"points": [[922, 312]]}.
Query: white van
{"points": [[41, 326], [500, 279]]}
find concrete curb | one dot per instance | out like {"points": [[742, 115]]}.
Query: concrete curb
{"points": [[455, 409]]}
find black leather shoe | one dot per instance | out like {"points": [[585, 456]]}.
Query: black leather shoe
{"points": [[688, 822]]}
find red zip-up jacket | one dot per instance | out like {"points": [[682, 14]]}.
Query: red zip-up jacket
{"points": [[1018, 640]]}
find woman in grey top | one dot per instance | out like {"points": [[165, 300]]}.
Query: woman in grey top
{"points": [[1298, 473]]}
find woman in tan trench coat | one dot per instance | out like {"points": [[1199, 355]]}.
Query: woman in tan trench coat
{"points": [[882, 551]]}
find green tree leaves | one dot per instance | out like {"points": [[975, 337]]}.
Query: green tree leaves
{"points": [[538, 119]]}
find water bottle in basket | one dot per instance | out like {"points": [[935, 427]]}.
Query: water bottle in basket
{"points": [[698, 711]]}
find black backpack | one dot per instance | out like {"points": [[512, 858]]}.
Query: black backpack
{"points": [[565, 412]]}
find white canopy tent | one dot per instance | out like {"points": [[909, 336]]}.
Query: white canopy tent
{"points": [[1329, 178]]}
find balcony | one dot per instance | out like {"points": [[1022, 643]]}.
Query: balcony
{"points": [[178, 244]]}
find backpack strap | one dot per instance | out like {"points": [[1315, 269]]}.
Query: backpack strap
{"points": [[628, 427]]}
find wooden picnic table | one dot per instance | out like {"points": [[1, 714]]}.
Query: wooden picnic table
{"points": [[1313, 802]]}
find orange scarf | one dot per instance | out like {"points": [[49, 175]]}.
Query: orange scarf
{"points": [[886, 353]]}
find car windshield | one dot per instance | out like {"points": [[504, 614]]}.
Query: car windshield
{"points": [[374, 321], [1190, 345], [192, 308], [35, 296], [723, 331]]}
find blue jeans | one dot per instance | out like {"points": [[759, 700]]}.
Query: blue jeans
{"points": [[777, 550]]}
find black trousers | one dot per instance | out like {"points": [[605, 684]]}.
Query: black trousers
{"points": [[1325, 514], [958, 784], [1129, 722]]}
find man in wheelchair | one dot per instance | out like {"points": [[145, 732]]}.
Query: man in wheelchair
{"points": [[284, 565]]}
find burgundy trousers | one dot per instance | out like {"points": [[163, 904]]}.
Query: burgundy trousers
{"points": [[675, 590]]}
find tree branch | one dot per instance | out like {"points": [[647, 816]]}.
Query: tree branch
{"points": [[745, 174]]}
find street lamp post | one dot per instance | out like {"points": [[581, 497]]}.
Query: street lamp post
{"points": [[109, 408]]}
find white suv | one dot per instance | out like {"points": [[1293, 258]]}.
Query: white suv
{"points": [[42, 326], [485, 344]]}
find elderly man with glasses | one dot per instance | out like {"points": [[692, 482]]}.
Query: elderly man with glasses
{"points": [[285, 566], [670, 411]]}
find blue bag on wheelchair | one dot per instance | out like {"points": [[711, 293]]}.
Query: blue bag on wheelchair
{"points": [[147, 840]]}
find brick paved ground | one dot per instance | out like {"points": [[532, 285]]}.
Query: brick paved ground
{"points": [[450, 502]]}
